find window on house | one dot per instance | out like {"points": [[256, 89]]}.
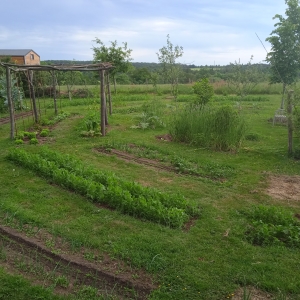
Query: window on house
{"points": [[31, 56]]}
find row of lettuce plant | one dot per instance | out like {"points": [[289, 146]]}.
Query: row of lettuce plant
{"points": [[106, 188]]}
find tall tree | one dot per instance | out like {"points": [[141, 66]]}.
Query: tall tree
{"points": [[119, 56], [284, 57], [167, 57]]}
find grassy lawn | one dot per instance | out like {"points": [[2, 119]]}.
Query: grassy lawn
{"points": [[212, 258]]}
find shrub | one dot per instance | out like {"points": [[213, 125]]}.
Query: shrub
{"points": [[216, 128]]}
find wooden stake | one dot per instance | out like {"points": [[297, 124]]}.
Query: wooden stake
{"points": [[30, 76], [102, 101], [10, 104], [54, 92], [290, 122], [109, 94]]}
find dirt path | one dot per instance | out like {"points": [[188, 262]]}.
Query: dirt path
{"points": [[67, 271], [6, 120]]}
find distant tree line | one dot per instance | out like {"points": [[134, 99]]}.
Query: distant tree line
{"points": [[146, 73]]}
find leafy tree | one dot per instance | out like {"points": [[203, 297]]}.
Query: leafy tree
{"points": [[284, 57], [204, 91], [167, 57], [117, 55], [244, 78]]}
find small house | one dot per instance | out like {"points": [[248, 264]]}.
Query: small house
{"points": [[21, 56]]}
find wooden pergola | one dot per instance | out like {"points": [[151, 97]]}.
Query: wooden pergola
{"points": [[29, 69]]}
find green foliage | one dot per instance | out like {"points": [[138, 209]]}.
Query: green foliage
{"points": [[284, 56], [167, 57], [16, 94], [204, 91], [127, 197], [271, 225], [118, 56], [219, 128]]}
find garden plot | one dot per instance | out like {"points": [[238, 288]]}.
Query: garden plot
{"points": [[49, 261]]}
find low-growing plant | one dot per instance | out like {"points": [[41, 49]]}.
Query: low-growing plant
{"points": [[152, 116], [33, 141], [30, 135], [127, 197], [45, 132], [19, 142], [20, 135], [271, 225]]}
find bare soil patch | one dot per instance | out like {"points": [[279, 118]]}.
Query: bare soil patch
{"points": [[283, 187], [255, 294], [48, 261]]}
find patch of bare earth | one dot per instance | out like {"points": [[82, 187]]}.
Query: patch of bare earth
{"points": [[255, 294], [49, 261], [283, 187]]}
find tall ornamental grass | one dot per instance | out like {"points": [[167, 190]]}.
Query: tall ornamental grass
{"points": [[220, 128]]}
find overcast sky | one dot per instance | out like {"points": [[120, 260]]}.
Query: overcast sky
{"points": [[210, 31]]}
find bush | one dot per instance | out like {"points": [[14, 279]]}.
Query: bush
{"points": [[216, 128]]}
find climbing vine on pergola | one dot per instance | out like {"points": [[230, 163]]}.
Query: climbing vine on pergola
{"points": [[31, 69]]}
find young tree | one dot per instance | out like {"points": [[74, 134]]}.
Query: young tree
{"points": [[118, 56], [204, 91], [243, 78], [167, 57], [284, 57]]}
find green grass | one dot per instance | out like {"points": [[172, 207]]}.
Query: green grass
{"points": [[202, 263]]}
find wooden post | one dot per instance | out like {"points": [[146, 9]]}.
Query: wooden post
{"points": [[102, 101], [109, 94], [10, 104], [290, 122], [35, 112], [54, 92]]}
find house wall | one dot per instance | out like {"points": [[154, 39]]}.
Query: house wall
{"points": [[32, 59], [19, 60]]}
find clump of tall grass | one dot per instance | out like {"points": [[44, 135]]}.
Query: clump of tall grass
{"points": [[220, 128]]}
